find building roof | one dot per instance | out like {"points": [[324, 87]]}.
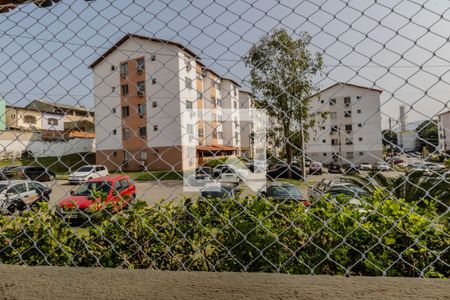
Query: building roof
{"points": [[348, 84], [58, 105], [132, 35], [7, 5], [444, 113], [35, 110], [232, 80]]}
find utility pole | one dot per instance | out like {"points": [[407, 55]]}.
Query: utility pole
{"points": [[390, 142], [302, 136]]}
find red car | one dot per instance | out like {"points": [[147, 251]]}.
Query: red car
{"points": [[117, 191]]}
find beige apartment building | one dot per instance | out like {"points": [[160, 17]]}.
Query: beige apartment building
{"points": [[444, 132], [158, 107]]}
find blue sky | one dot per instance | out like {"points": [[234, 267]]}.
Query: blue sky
{"points": [[399, 46]]}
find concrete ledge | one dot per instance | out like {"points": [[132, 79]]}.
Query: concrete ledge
{"points": [[17, 282]]}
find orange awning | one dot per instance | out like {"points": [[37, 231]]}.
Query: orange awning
{"points": [[215, 148]]}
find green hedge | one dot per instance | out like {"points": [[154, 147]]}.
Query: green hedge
{"points": [[383, 237]]}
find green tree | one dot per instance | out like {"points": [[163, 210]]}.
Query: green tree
{"points": [[281, 75], [428, 135], [389, 138]]}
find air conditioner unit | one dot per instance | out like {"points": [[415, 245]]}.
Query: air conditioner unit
{"points": [[123, 75], [140, 93], [140, 70]]}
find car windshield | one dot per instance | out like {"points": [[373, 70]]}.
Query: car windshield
{"points": [[3, 187], [284, 191], [88, 188], [217, 193], [85, 169]]}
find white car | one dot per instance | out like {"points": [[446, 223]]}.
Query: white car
{"points": [[85, 173], [365, 166], [382, 166]]}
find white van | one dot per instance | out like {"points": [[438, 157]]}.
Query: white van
{"points": [[85, 173]]}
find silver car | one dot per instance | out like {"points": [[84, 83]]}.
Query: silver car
{"points": [[18, 195]]}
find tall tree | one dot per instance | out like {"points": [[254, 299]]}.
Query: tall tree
{"points": [[281, 75]]}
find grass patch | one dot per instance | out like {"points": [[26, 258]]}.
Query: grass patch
{"points": [[156, 175], [60, 164]]}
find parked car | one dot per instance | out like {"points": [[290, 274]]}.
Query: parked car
{"points": [[365, 166], [221, 191], [351, 169], [282, 171], [5, 169], [204, 173], [18, 195], [283, 192], [240, 171], [395, 160], [334, 167], [30, 173], [315, 168], [229, 176], [382, 166], [119, 191], [434, 167], [86, 173]]}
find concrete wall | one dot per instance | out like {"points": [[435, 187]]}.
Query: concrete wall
{"points": [[12, 144]]}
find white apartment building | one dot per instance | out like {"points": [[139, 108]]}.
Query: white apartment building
{"points": [[444, 132], [351, 132], [247, 126], [147, 92]]}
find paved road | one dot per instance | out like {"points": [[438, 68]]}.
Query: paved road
{"points": [[166, 190]]}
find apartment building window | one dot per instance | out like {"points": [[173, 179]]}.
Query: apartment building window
{"points": [[347, 101], [141, 110], [236, 137], [348, 142], [324, 141], [333, 115], [219, 102], [200, 133], [153, 57], [125, 111], [143, 155], [124, 69], [321, 101], [235, 104], [334, 128], [113, 110], [360, 139], [332, 101], [334, 142], [187, 83], [52, 122], [235, 90], [154, 104], [155, 127], [140, 88], [348, 127], [114, 132], [153, 80], [349, 154], [214, 134], [140, 65], [359, 125], [361, 153], [29, 119], [199, 95], [124, 89], [126, 156], [348, 114], [219, 118], [220, 135], [190, 129], [126, 133], [358, 111], [218, 86], [113, 89], [142, 131], [189, 104]]}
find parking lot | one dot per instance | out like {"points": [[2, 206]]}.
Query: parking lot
{"points": [[166, 190]]}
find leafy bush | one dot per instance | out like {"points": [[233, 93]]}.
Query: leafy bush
{"points": [[447, 163], [212, 163], [380, 237]]}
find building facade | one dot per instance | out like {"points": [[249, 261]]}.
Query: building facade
{"points": [[351, 131], [247, 125], [444, 132], [157, 107]]}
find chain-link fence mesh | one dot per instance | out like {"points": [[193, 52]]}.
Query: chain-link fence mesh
{"points": [[308, 137]]}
